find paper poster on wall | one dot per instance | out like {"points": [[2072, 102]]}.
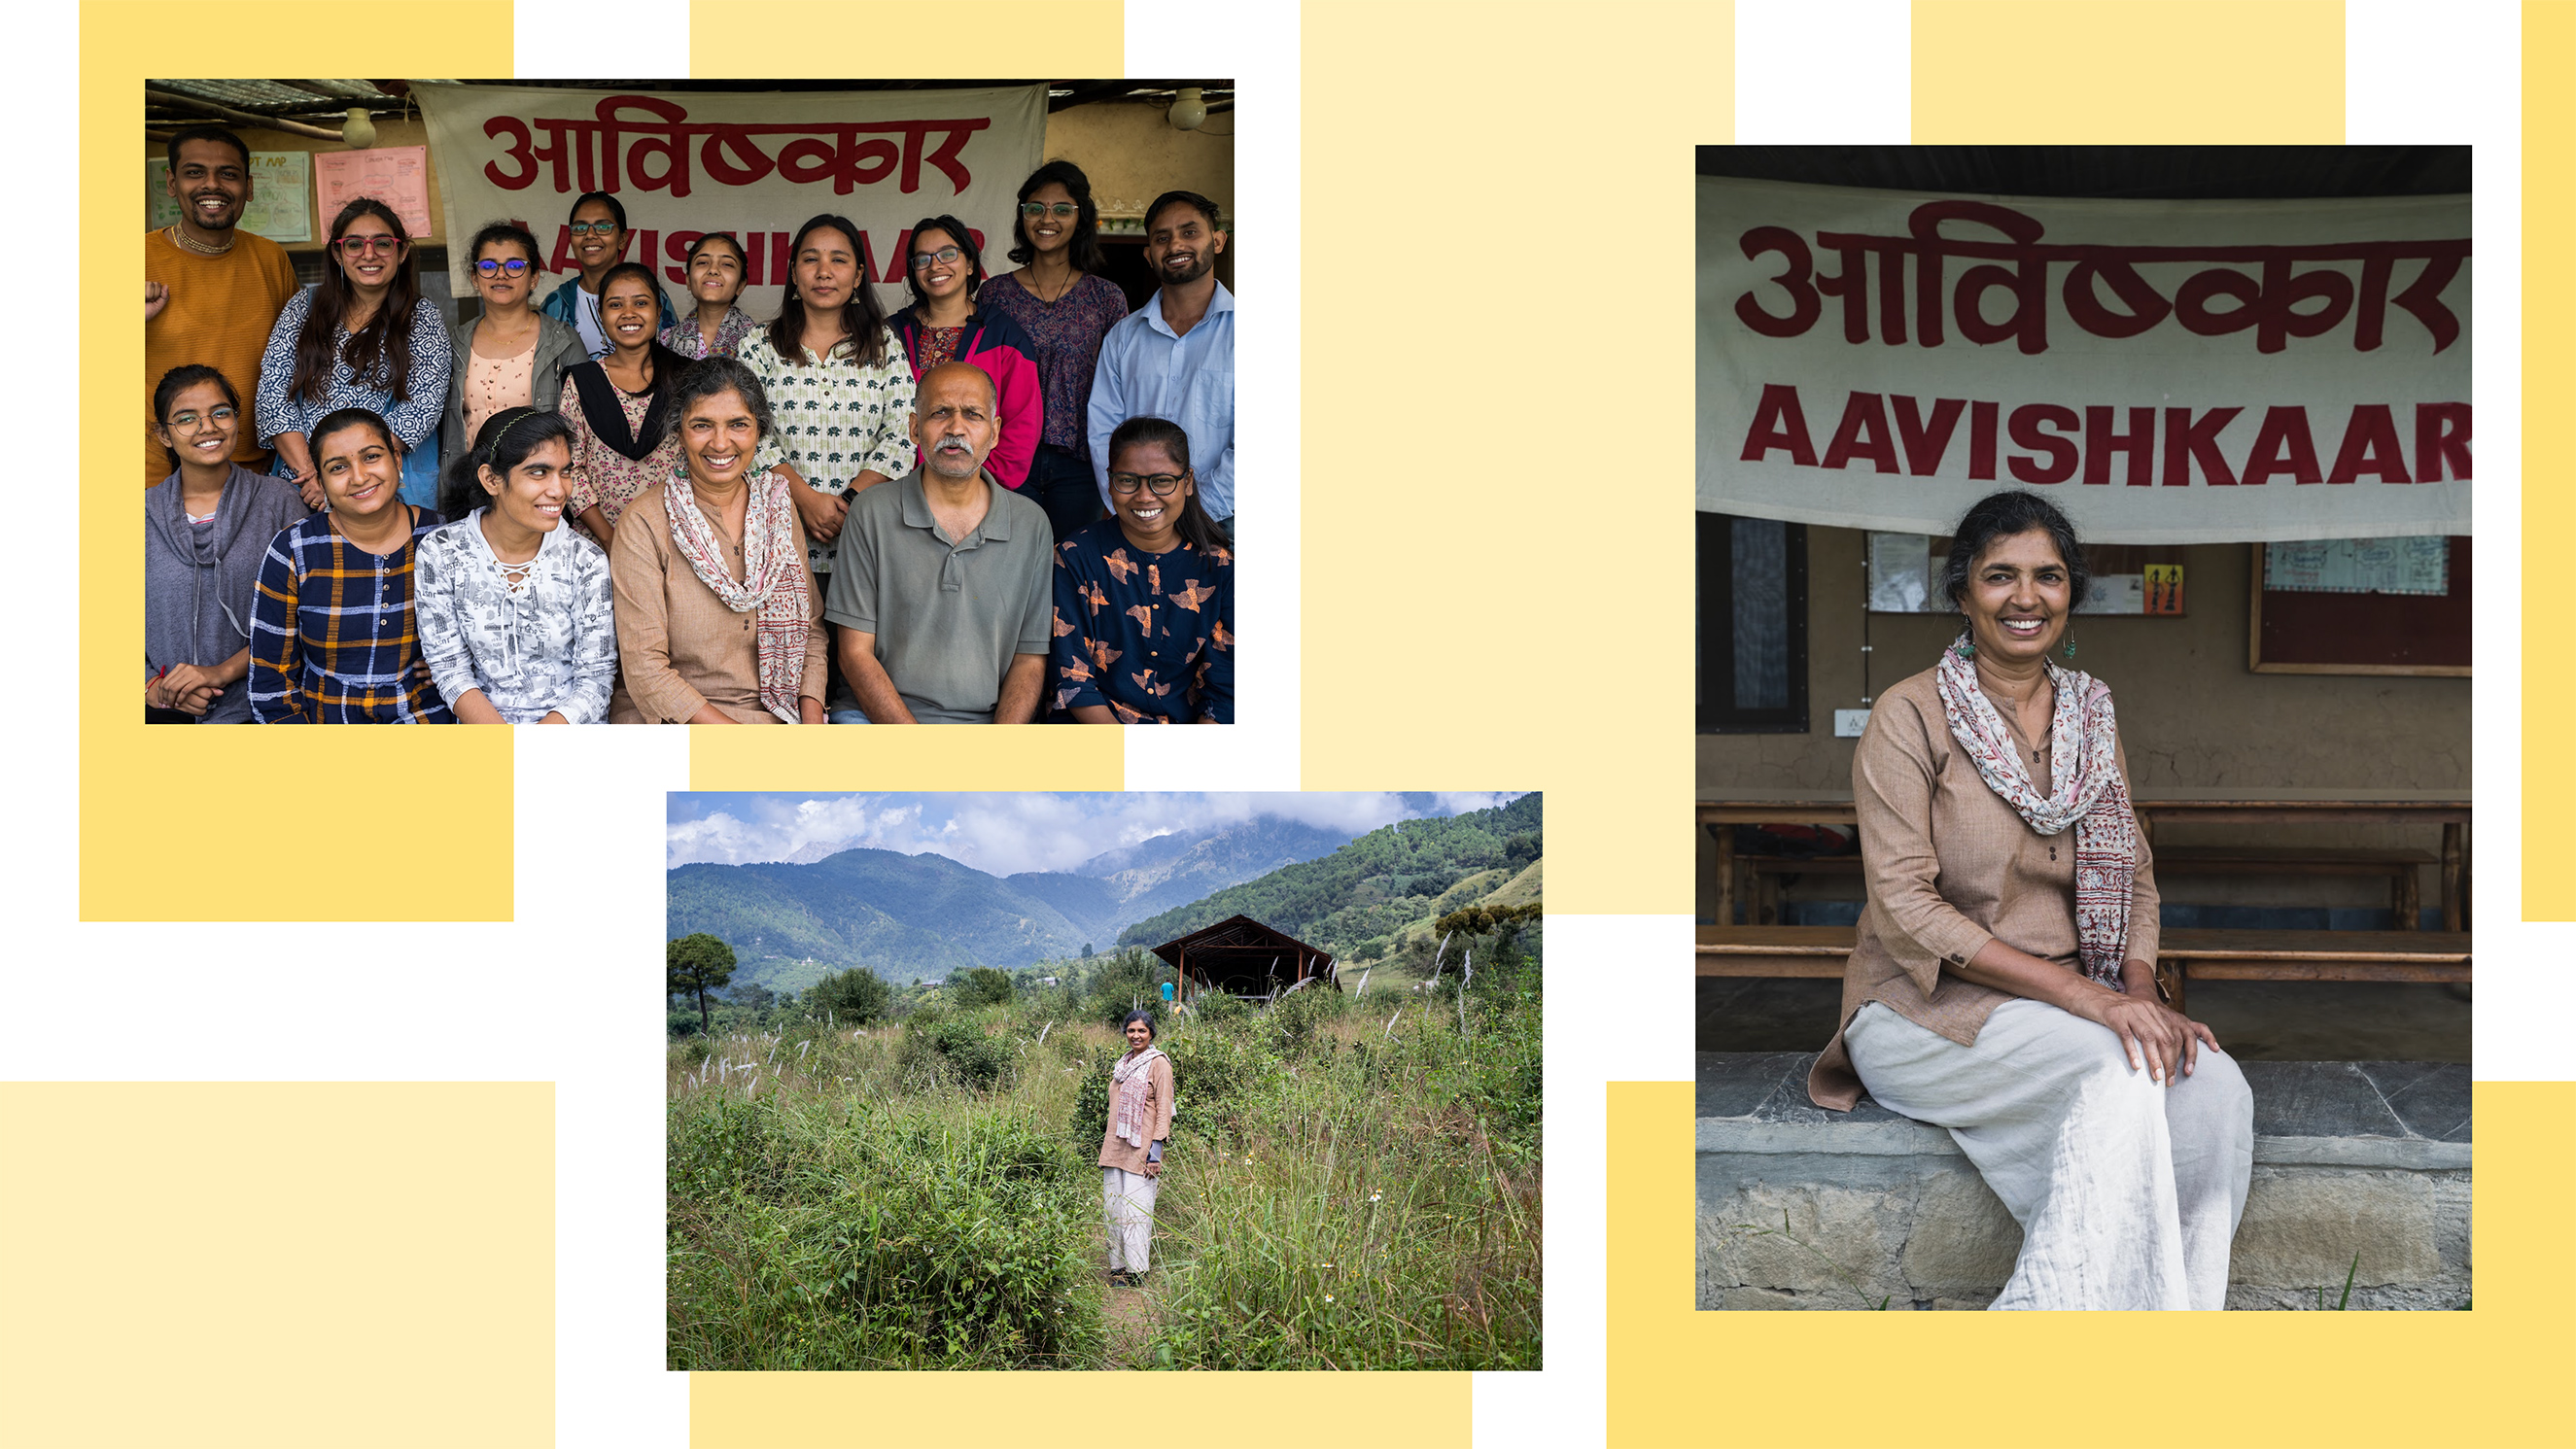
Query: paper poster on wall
{"points": [[2419, 564], [276, 210], [398, 176]]}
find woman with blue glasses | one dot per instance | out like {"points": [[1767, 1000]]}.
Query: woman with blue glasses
{"points": [[510, 357]]}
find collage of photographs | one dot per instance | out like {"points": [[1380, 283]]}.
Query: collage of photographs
{"points": [[2104, 948]]}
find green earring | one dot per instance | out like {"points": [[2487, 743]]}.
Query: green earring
{"points": [[2070, 646]]}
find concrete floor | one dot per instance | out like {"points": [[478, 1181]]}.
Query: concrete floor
{"points": [[2255, 1020]]}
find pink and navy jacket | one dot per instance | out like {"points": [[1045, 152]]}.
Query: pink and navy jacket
{"points": [[996, 344]]}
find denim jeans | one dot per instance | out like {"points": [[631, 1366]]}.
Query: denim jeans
{"points": [[1060, 481]]}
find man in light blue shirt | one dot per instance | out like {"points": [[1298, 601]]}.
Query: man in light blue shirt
{"points": [[1174, 357]]}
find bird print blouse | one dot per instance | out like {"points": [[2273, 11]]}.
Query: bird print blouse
{"points": [[1150, 635]]}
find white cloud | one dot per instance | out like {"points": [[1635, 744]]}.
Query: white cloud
{"points": [[1007, 833]]}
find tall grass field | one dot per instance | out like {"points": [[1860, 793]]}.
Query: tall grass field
{"points": [[1352, 1182]]}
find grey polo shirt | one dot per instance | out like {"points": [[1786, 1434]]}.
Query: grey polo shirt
{"points": [[947, 614]]}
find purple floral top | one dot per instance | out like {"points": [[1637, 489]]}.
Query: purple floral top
{"points": [[684, 338], [1067, 332]]}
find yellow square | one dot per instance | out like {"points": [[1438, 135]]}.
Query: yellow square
{"points": [[2170, 72], [279, 1264]]}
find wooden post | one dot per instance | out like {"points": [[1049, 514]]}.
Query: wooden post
{"points": [[2454, 851], [1725, 834]]}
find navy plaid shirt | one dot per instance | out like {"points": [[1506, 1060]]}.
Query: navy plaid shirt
{"points": [[332, 638]]}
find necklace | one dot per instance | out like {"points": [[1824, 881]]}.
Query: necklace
{"points": [[184, 242], [1070, 277]]}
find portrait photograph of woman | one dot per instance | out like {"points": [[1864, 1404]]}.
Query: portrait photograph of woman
{"points": [[2083, 720]]}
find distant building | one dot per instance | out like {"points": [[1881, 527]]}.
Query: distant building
{"points": [[1239, 956]]}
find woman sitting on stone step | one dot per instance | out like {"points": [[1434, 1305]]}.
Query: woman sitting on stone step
{"points": [[2003, 981]]}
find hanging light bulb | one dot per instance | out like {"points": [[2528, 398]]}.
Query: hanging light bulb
{"points": [[1189, 110], [359, 131]]}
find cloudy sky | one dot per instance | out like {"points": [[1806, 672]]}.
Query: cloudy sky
{"points": [[1000, 833]]}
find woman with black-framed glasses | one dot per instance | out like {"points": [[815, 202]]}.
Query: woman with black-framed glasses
{"points": [[596, 236], [510, 357], [1144, 601], [1065, 306]]}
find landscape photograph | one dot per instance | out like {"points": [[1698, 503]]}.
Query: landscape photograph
{"points": [[1104, 1081]]}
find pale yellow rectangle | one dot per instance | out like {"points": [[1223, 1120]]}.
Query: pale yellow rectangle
{"points": [[2166, 72], [278, 1264], [2548, 512], [1080, 1411], [1497, 437], [1039, 39], [931, 757], [246, 824], [2481, 1377]]}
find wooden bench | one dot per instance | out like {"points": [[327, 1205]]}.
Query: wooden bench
{"points": [[2201, 807], [2181, 956], [1761, 875]]}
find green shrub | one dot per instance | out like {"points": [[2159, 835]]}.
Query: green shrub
{"points": [[1295, 1017], [964, 1052], [855, 997], [1218, 1080], [1218, 1009], [981, 986], [724, 1149]]}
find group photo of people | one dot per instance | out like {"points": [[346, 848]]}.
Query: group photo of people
{"points": [[577, 497]]}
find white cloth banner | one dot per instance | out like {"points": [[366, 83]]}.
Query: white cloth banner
{"points": [[755, 164], [2165, 372]]}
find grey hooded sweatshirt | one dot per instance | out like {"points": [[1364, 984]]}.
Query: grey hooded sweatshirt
{"points": [[198, 582]]}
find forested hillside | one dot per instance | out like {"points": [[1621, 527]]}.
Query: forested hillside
{"points": [[1358, 901]]}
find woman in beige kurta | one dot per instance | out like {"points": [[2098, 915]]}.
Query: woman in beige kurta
{"points": [[718, 620], [2002, 983], [1131, 1148]]}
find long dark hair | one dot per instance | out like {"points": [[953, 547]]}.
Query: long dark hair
{"points": [[965, 243], [178, 380], [378, 354], [1084, 250], [508, 437], [1194, 526], [865, 341], [2002, 515]]}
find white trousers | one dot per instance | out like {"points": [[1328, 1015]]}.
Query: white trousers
{"points": [[2128, 1193], [1129, 1197]]}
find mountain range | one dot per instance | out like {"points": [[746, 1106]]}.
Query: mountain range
{"points": [[914, 916]]}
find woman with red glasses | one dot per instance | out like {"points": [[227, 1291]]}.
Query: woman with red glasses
{"points": [[510, 357], [363, 337]]}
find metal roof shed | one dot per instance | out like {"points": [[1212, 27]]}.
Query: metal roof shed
{"points": [[1239, 956]]}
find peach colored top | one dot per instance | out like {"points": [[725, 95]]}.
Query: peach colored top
{"points": [[494, 383]]}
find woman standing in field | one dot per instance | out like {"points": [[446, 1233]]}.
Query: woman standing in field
{"points": [[1131, 1150]]}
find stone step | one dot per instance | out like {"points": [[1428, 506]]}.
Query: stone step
{"points": [[2349, 1157]]}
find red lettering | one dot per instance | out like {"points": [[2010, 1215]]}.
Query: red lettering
{"points": [[1924, 444], [1779, 422], [2188, 442], [1981, 440], [2370, 446], [676, 247], [2139, 442], [2441, 437], [2025, 424], [562, 261], [782, 261], [2282, 445], [646, 254], [1863, 434]]}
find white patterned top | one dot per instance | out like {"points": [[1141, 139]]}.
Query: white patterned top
{"points": [[835, 419], [534, 638]]}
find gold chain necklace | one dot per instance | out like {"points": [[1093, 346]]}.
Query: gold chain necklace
{"points": [[182, 241]]}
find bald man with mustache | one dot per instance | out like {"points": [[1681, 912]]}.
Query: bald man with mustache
{"points": [[941, 583]]}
